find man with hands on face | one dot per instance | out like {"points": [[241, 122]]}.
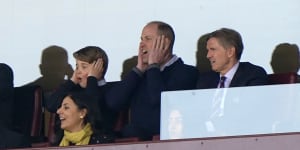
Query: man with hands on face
{"points": [[157, 70], [91, 66]]}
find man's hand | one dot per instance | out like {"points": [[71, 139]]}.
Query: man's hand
{"points": [[159, 52]]}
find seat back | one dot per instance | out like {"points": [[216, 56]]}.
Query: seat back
{"points": [[28, 110], [282, 78], [122, 120], [156, 137], [51, 128], [127, 140]]}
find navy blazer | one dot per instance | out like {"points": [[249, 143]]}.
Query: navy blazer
{"points": [[247, 74]]}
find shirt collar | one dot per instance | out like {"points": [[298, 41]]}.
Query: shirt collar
{"points": [[229, 75], [169, 63]]}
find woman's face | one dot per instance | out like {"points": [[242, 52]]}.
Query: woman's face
{"points": [[72, 119]]}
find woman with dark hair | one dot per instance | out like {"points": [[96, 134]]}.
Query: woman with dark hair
{"points": [[77, 121]]}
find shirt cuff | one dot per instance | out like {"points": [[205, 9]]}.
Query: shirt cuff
{"points": [[138, 71], [155, 65]]}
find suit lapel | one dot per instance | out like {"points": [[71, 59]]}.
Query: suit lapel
{"points": [[238, 76]]}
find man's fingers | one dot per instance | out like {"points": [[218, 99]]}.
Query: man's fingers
{"points": [[162, 42], [159, 43]]}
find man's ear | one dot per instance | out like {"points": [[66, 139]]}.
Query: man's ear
{"points": [[231, 52]]}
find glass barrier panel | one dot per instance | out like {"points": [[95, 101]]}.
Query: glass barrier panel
{"points": [[230, 111]]}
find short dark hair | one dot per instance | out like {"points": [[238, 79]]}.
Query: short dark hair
{"points": [[227, 38], [165, 29], [90, 54]]}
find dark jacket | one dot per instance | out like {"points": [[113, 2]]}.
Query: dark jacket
{"points": [[12, 139], [6, 95], [247, 74], [142, 94]]}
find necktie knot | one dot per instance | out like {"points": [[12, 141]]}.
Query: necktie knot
{"points": [[222, 81]]}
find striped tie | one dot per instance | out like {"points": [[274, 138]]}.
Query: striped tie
{"points": [[222, 81]]}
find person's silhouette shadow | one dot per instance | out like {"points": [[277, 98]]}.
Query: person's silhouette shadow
{"points": [[128, 64], [285, 59], [54, 69], [202, 63]]}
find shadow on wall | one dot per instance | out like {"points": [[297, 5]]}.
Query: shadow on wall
{"points": [[128, 64], [285, 58], [54, 69], [202, 63]]}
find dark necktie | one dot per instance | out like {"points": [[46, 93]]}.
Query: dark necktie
{"points": [[222, 81]]}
